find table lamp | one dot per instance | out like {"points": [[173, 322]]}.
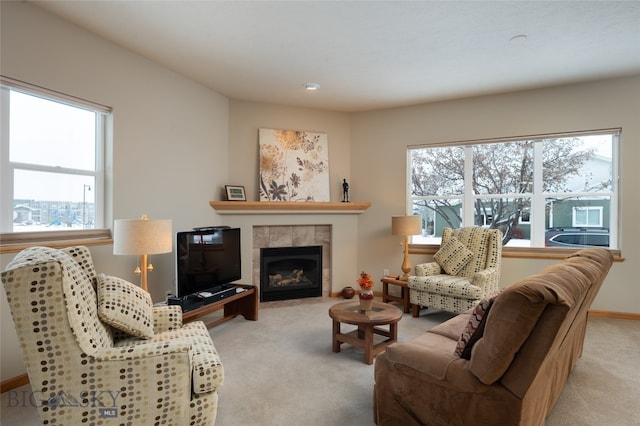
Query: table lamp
{"points": [[142, 237], [405, 226]]}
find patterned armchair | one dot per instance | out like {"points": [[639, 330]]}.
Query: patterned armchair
{"points": [[466, 269], [98, 352]]}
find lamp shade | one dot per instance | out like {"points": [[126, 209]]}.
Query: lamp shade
{"points": [[140, 236], [406, 225]]}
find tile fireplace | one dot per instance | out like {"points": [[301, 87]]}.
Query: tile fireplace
{"points": [[332, 225]]}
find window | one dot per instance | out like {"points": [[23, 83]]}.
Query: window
{"points": [[530, 188], [52, 160], [587, 216]]}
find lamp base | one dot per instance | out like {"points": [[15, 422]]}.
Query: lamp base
{"points": [[406, 265]]}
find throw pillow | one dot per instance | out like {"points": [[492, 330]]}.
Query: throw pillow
{"points": [[125, 306], [453, 256], [474, 329]]}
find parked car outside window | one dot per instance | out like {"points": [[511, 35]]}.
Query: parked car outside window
{"points": [[577, 237]]}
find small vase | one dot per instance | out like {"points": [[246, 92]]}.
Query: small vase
{"points": [[366, 299], [348, 292]]}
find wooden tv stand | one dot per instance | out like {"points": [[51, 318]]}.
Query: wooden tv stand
{"points": [[244, 303]]}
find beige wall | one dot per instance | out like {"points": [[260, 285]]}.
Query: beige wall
{"points": [[245, 118], [169, 138], [379, 140], [177, 143]]}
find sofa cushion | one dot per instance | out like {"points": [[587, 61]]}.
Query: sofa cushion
{"points": [[453, 256], [474, 329], [125, 306]]}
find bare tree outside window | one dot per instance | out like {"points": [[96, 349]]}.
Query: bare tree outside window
{"points": [[507, 185]]}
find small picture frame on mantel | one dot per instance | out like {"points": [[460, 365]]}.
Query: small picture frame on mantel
{"points": [[235, 193]]}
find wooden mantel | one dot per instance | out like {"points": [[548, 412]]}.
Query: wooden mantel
{"points": [[277, 207]]}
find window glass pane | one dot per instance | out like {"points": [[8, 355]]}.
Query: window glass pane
{"points": [[50, 133], [505, 214], [52, 201], [436, 215], [578, 211], [578, 164], [578, 222], [503, 168], [577, 238], [437, 171]]}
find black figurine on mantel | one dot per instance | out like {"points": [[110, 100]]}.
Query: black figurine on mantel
{"points": [[345, 191]]}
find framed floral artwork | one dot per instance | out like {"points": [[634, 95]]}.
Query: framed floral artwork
{"points": [[294, 166]]}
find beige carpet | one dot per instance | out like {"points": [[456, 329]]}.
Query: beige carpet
{"points": [[281, 371]]}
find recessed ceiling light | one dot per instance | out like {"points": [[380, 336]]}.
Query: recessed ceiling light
{"points": [[312, 86]]}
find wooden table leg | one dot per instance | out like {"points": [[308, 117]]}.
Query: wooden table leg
{"points": [[393, 332], [336, 331], [405, 297], [368, 344]]}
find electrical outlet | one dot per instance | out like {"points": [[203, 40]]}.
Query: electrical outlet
{"points": [[385, 272]]}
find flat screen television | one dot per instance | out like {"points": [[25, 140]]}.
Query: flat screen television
{"points": [[207, 259]]}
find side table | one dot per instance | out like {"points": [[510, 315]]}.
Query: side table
{"points": [[381, 314], [404, 293]]}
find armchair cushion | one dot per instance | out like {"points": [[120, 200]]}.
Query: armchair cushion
{"points": [[447, 285], [453, 256], [125, 306]]}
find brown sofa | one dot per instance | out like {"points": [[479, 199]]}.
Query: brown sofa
{"points": [[533, 336]]}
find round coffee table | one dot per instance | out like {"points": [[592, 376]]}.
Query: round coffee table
{"points": [[381, 314]]}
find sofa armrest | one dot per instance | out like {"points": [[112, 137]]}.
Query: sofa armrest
{"points": [[426, 269], [166, 318], [430, 358]]}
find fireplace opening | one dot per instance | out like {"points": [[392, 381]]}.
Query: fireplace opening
{"points": [[290, 273]]}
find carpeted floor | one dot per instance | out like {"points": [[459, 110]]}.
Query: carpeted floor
{"points": [[281, 371]]}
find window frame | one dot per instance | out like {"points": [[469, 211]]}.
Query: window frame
{"points": [[11, 240], [537, 238]]}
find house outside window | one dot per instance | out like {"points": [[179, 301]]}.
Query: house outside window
{"points": [[52, 160], [528, 187]]}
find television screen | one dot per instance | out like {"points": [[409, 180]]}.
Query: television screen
{"points": [[207, 259]]}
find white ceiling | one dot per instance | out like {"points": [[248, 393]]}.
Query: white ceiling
{"points": [[371, 54]]}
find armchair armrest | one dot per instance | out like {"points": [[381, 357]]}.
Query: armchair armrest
{"points": [[166, 318], [144, 350], [426, 269], [487, 279]]}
